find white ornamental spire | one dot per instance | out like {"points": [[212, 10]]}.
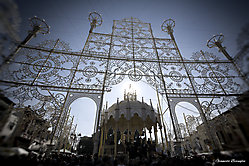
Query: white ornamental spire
{"points": [[130, 94]]}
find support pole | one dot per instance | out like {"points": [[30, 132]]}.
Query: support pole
{"points": [[101, 141], [62, 132], [102, 129], [68, 133], [104, 83], [58, 120], [44, 63], [166, 138], [74, 139], [164, 85], [190, 140], [38, 26], [160, 114], [160, 128], [207, 127]]}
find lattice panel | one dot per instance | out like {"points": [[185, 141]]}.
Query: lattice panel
{"points": [[90, 72], [216, 78], [166, 49], [176, 77], [132, 27], [98, 43], [43, 68]]}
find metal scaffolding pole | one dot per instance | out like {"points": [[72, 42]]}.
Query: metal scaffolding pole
{"points": [[44, 63], [39, 26], [169, 25], [164, 86], [63, 129], [68, 133]]}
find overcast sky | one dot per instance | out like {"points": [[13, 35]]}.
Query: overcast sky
{"points": [[196, 22]]}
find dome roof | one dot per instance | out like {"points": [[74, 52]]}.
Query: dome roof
{"points": [[128, 109]]}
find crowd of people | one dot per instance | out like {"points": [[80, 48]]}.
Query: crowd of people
{"points": [[63, 159]]}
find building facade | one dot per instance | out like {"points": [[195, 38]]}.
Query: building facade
{"points": [[230, 130]]}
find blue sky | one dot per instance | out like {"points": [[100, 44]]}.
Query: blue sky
{"points": [[196, 22]]}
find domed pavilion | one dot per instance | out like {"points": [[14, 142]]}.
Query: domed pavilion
{"points": [[124, 126]]}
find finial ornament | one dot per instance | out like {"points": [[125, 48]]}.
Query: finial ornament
{"points": [[130, 94], [95, 19], [216, 39], [39, 25], [168, 26]]}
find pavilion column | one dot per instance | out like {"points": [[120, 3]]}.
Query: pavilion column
{"points": [[145, 135], [132, 136], [115, 141], [155, 133], [140, 134], [161, 133], [121, 136], [150, 135]]}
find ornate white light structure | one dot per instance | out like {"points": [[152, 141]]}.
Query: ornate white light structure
{"points": [[51, 70]]}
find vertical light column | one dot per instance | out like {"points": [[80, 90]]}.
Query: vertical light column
{"points": [[62, 132], [58, 120], [101, 137], [68, 133], [190, 140], [164, 85], [167, 26]]}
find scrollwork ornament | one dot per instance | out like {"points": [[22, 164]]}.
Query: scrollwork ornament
{"points": [[43, 67], [60, 98], [210, 78], [135, 75], [115, 75]]}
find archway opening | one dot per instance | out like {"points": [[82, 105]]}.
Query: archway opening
{"points": [[84, 112], [186, 108], [188, 117]]}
